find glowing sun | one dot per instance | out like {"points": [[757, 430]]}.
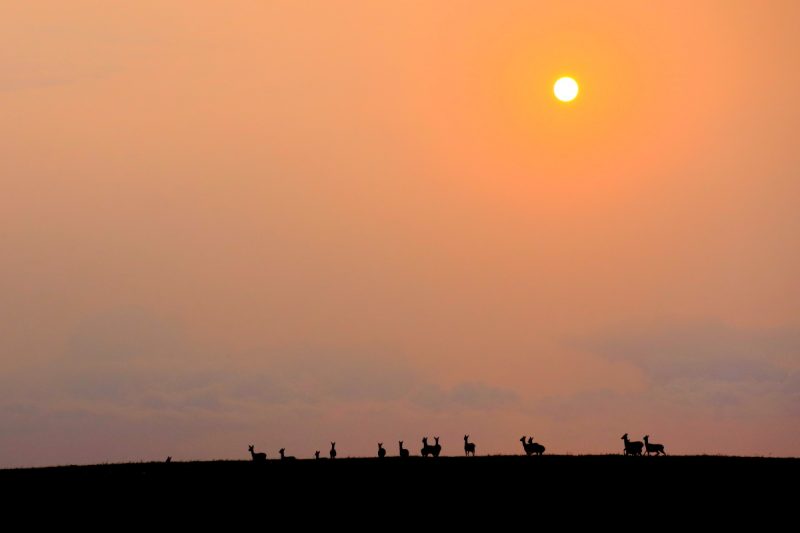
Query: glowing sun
{"points": [[566, 89]]}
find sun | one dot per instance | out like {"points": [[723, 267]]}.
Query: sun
{"points": [[566, 89]]}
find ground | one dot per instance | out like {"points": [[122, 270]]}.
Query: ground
{"points": [[580, 488]]}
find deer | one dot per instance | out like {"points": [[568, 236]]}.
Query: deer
{"points": [[427, 449], [528, 450], [658, 449], [333, 450], [537, 448], [316, 454], [285, 457], [632, 447], [381, 451], [531, 447], [436, 449], [469, 447], [403, 451], [260, 457]]}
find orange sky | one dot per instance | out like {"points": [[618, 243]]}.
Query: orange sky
{"points": [[286, 223]]}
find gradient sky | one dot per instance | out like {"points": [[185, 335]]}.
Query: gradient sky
{"points": [[285, 223]]}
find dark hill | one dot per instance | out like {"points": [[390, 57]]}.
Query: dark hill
{"points": [[613, 485]]}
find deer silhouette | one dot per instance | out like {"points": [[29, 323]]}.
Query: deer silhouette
{"points": [[333, 450], [528, 450], [469, 447], [381, 451], [632, 447], [260, 457], [658, 449], [285, 457], [316, 454], [531, 447], [403, 451], [538, 449], [436, 449], [427, 449]]}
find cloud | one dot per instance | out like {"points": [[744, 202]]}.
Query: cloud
{"points": [[131, 362], [723, 370], [128, 378], [469, 395], [702, 351]]}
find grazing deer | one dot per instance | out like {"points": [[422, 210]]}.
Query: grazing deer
{"points": [[260, 457], [632, 447], [658, 449], [403, 451], [381, 451], [285, 457], [537, 448], [427, 449], [316, 454], [469, 447], [436, 449], [333, 450]]}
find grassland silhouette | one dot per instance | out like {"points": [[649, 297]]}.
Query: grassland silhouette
{"points": [[523, 483]]}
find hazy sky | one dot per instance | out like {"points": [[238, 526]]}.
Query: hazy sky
{"points": [[284, 223]]}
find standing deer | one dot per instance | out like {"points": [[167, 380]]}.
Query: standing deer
{"points": [[436, 449], [427, 449], [658, 449], [632, 447], [260, 457], [403, 451], [333, 450], [469, 447], [528, 450], [316, 454], [381, 451]]}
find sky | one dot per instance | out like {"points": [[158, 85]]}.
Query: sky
{"points": [[288, 223]]}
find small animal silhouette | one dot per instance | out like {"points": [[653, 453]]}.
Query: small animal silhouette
{"points": [[333, 450], [285, 457], [537, 448], [531, 447], [381, 451], [436, 449], [403, 451], [316, 454], [658, 449], [469, 447], [260, 457], [528, 450], [632, 447], [169, 459], [426, 448]]}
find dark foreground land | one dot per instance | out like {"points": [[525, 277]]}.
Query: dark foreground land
{"points": [[572, 488]]}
